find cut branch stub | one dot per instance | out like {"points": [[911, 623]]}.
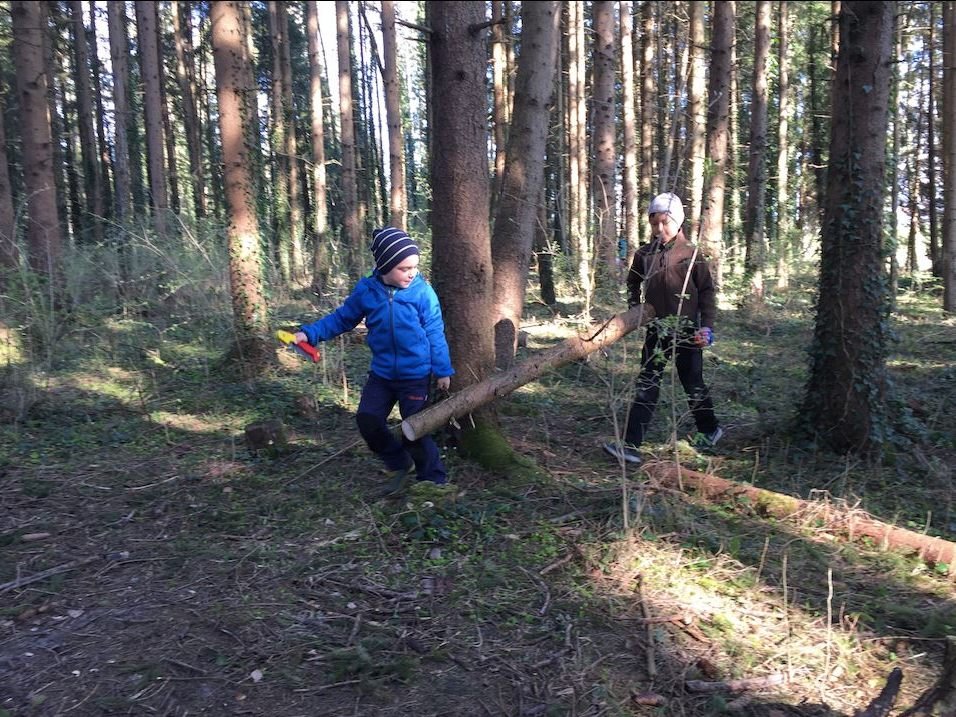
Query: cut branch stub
{"points": [[501, 384]]}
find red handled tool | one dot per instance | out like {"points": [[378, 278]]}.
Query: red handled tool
{"points": [[303, 348]]}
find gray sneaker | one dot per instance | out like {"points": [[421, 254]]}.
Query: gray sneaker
{"points": [[624, 452], [707, 441]]}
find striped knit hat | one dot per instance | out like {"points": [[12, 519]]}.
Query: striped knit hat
{"points": [[389, 247]]}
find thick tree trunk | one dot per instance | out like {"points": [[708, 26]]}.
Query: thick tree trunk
{"points": [[499, 88], [462, 262], [43, 233], [245, 278], [845, 404], [502, 383], [516, 210]]}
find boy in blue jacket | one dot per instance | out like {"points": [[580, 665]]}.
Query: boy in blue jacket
{"points": [[407, 337]]}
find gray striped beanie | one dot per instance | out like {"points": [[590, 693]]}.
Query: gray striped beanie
{"points": [[389, 247]]}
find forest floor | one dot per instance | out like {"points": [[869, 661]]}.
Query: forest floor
{"points": [[151, 564]]}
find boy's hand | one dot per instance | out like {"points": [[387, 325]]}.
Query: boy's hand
{"points": [[704, 337], [443, 383], [300, 337]]}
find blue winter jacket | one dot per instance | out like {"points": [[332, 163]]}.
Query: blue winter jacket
{"points": [[405, 329]]}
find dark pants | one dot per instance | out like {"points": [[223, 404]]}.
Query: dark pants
{"points": [[378, 398], [657, 351]]}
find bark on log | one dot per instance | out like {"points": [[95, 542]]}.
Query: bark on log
{"points": [[501, 384], [851, 524], [881, 706]]}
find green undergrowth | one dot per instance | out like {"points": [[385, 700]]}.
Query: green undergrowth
{"points": [[290, 579]]}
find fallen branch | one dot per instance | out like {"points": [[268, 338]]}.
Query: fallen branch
{"points": [[851, 524], [943, 693], [48, 573], [881, 706], [744, 685], [501, 384]]}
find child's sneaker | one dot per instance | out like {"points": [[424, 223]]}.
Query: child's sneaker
{"points": [[706, 441], [398, 484], [625, 452]]}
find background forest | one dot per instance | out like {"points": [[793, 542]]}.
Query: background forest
{"points": [[180, 179]]}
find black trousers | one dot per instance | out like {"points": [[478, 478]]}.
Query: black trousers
{"points": [[659, 348]]}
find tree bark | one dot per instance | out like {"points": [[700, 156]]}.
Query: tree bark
{"points": [[949, 157], [462, 262], [696, 117], [755, 222], [393, 119], [648, 108], [147, 35], [502, 383], [9, 246], [92, 176], [43, 232], [603, 134], [320, 212], [845, 403], [783, 147], [119, 60], [718, 135], [186, 76], [630, 198], [516, 212], [349, 188], [852, 525], [245, 278]]}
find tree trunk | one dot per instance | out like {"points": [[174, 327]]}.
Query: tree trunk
{"points": [[523, 179], [499, 87], [648, 110], [845, 403], [949, 156], [43, 233], [349, 190], [291, 149], [604, 133], [9, 246], [281, 220], [245, 279], [147, 35], [577, 150], [935, 251], [106, 162], [502, 383], [320, 215], [783, 148], [186, 76], [393, 119], [630, 198], [92, 177], [718, 135], [116, 13], [755, 223], [696, 117], [462, 262], [850, 524]]}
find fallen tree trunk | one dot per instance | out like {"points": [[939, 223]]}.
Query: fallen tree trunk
{"points": [[501, 384], [850, 523]]}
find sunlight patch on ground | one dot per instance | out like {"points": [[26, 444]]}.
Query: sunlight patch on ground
{"points": [[186, 422]]}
